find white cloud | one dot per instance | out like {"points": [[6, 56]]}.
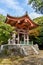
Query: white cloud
{"points": [[34, 15], [12, 4], [18, 9], [2, 11], [25, 1]]}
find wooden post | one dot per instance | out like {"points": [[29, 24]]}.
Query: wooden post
{"points": [[18, 38], [24, 38], [13, 40], [27, 39]]}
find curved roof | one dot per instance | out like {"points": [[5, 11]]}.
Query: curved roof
{"points": [[23, 22]]}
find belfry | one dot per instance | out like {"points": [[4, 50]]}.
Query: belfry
{"points": [[23, 24]]}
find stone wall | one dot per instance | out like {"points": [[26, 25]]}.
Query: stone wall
{"points": [[21, 49]]}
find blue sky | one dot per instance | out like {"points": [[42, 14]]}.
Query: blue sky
{"points": [[17, 8]]}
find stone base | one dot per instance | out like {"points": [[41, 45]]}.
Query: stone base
{"points": [[22, 49]]}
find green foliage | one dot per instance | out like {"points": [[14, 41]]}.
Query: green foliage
{"points": [[2, 18], [41, 35], [39, 38], [39, 20], [5, 31], [37, 5]]}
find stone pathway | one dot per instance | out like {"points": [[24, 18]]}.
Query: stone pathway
{"points": [[29, 60], [23, 61]]}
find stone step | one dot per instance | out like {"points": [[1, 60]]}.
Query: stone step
{"points": [[30, 50]]}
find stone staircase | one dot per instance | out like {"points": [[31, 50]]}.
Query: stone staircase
{"points": [[30, 50], [22, 49]]}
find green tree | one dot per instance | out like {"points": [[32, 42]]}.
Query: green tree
{"points": [[37, 33], [37, 5], [39, 21], [5, 30], [2, 18], [39, 38]]}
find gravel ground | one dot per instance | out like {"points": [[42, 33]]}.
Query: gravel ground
{"points": [[17, 60]]}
